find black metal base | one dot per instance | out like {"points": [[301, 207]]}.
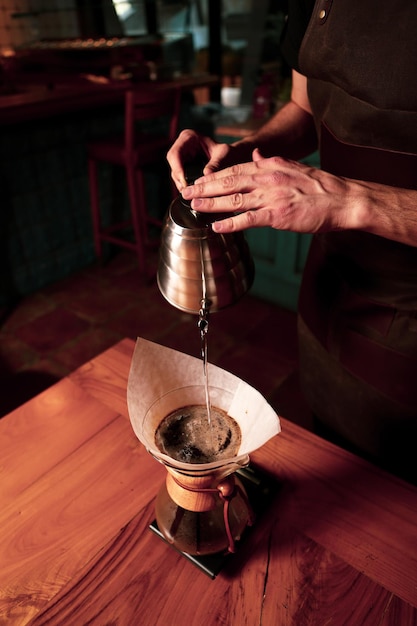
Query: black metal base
{"points": [[260, 488]]}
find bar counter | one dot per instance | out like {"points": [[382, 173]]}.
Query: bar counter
{"points": [[337, 544], [46, 231], [41, 100]]}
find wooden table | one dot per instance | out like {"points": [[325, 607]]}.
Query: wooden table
{"points": [[338, 545]]}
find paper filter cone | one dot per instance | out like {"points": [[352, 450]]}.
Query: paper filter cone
{"points": [[167, 379]]}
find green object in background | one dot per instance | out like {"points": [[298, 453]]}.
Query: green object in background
{"points": [[279, 260]]}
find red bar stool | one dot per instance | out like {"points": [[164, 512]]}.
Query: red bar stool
{"points": [[133, 151]]}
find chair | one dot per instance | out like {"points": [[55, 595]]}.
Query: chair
{"points": [[134, 150]]}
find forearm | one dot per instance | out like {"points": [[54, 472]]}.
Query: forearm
{"points": [[389, 212], [290, 133]]}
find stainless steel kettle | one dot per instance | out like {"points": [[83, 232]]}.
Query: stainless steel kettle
{"points": [[198, 267]]}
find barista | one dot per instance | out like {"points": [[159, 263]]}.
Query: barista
{"points": [[354, 95]]}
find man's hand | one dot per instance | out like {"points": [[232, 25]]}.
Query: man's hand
{"points": [[190, 147], [274, 192]]}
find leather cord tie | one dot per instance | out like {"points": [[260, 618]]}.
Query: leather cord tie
{"points": [[226, 490]]}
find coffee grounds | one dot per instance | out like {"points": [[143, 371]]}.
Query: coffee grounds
{"points": [[187, 436]]}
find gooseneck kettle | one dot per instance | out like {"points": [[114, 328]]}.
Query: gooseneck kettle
{"points": [[197, 265]]}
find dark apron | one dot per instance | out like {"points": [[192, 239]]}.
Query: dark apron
{"points": [[358, 300]]}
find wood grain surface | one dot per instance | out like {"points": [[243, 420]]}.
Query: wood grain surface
{"points": [[336, 546]]}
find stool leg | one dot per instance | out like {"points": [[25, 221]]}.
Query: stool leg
{"points": [[95, 207], [137, 212]]}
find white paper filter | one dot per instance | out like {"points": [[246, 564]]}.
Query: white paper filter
{"points": [[162, 380]]}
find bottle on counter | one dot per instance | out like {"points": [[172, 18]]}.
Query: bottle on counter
{"points": [[262, 98]]}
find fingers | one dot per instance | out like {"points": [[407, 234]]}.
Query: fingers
{"points": [[230, 203], [256, 194], [247, 169], [191, 147], [188, 147], [256, 155], [243, 177], [242, 221], [220, 190], [262, 192], [239, 188]]}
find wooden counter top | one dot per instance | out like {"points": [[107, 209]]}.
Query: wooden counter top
{"points": [[338, 544]]}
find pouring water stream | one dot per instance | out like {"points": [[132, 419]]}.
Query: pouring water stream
{"points": [[203, 323]]}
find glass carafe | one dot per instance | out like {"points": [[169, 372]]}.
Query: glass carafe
{"points": [[202, 508]]}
